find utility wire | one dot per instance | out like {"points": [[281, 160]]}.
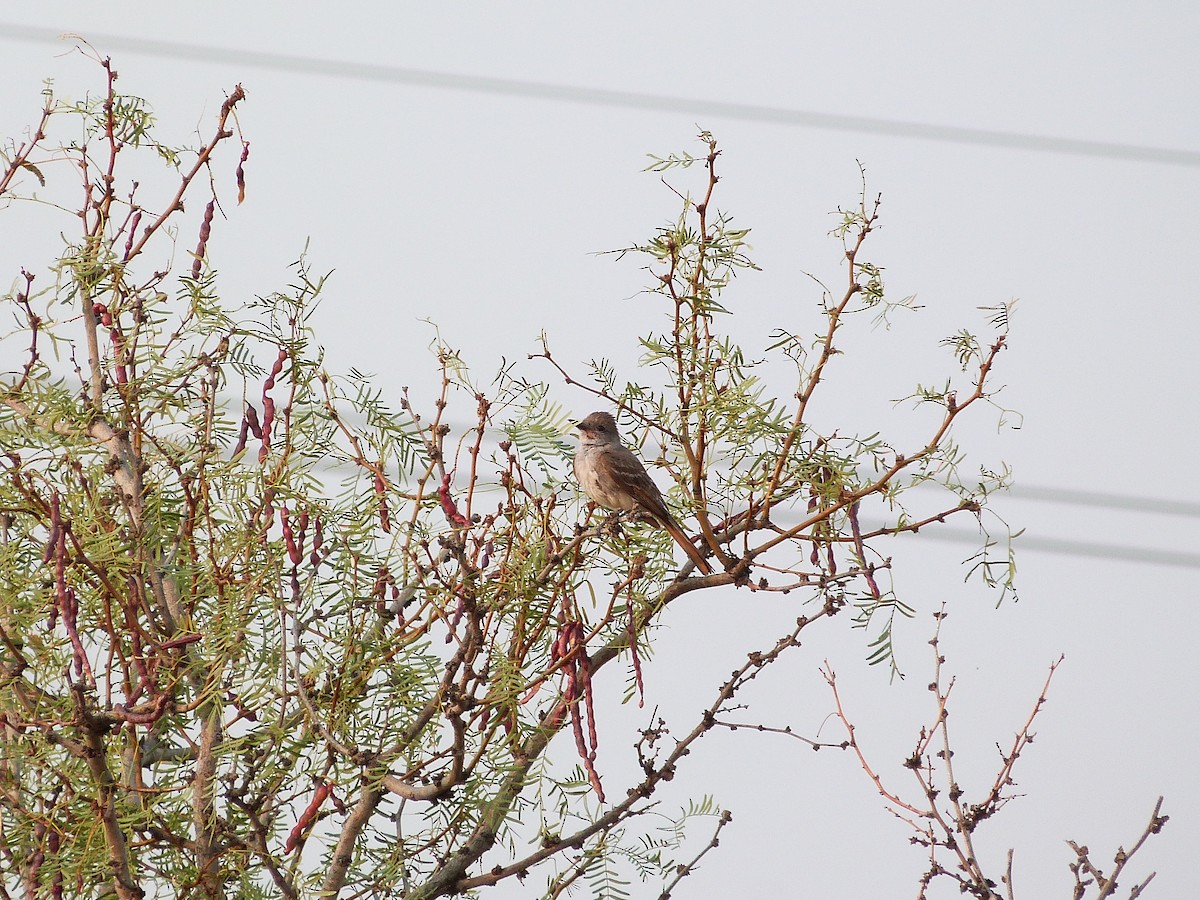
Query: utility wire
{"points": [[1018, 490], [1067, 497], [1062, 546], [1129, 553], [624, 99]]}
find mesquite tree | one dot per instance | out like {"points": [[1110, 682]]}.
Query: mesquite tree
{"points": [[271, 631]]}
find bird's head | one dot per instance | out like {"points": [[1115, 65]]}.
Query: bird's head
{"points": [[599, 425]]}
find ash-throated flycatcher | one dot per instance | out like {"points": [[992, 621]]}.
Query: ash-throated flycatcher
{"points": [[614, 478]]}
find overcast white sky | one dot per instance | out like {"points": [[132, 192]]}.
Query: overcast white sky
{"points": [[479, 203]]}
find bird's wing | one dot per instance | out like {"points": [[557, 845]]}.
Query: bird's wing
{"points": [[629, 471]]}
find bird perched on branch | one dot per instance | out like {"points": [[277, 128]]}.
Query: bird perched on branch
{"points": [[612, 477]]}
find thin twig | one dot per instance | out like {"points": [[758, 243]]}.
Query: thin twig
{"points": [[685, 869]]}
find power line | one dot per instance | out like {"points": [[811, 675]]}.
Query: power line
{"points": [[624, 99], [1068, 497], [1017, 490], [1061, 546], [1035, 543]]}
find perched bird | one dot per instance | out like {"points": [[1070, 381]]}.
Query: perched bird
{"points": [[614, 478]]}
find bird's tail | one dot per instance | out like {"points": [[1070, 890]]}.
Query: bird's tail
{"points": [[694, 554]]}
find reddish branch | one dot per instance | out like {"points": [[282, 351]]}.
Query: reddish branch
{"points": [[953, 826]]}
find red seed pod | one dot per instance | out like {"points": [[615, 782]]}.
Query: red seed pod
{"points": [[241, 171], [206, 225], [588, 694], [308, 817], [133, 227], [314, 558], [289, 536], [570, 690], [267, 420], [594, 777], [872, 585], [577, 727], [51, 544], [60, 571], [457, 519], [202, 245], [55, 535], [242, 435], [251, 420], [559, 649], [385, 516]]}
